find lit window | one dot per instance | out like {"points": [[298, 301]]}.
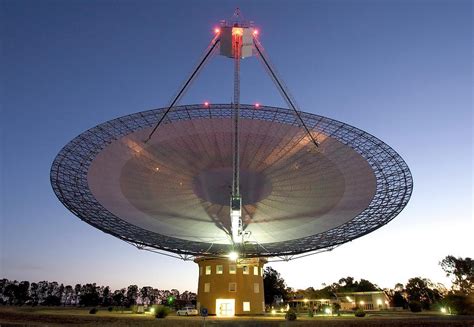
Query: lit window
{"points": [[255, 271], [232, 269], [232, 287], [219, 269], [246, 306], [200, 271], [261, 271], [208, 270], [256, 288], [245, 270], [207, 287]]}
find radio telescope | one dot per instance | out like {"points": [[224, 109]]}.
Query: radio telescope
{"points": [[213, 181]]}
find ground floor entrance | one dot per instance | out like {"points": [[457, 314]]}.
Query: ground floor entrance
{"points": [[225, 307]]}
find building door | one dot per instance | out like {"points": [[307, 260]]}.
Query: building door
{"points": [[225, 307]]}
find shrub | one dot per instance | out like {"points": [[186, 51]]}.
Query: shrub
{"points": [[93, 311], [414, 306], [110, 309], [359, 313], [336, 307], [310, 313], [161, 312], [460, 304], [290, 315]]}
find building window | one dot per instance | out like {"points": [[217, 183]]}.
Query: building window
{"points": [[232, 269], [256, 287], [208, 270], [207, 287], [232, 287], [255, 271], [245, 270], [261, 271], [246, 306], [200, 271], [219, 269]]}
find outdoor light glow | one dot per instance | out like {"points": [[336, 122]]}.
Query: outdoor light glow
{"points": [[206, 104], [273, 311], [443, 310], [305, 300], [217, 30], [257, 105], [152, 310], [282, 310], [233, 256], [348, 299], [255, 32], [379, 302], [362, 302], [238, 31], [328, 311]]}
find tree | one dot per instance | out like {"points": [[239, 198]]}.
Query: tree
{"points": [[132, 293], [366, 286], [119, 297], [89, 295], [422, 290], [463, 272], [273, 285], [106, 298]]}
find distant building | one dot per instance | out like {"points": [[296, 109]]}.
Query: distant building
{"points": [[375, 300], [369, 301]]}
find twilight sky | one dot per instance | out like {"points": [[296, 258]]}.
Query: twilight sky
{"points": [[400, 70]]}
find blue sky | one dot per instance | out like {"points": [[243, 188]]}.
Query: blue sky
{"points": [[400, 70]]}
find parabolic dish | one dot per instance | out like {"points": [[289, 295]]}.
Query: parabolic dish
{"points": [[172, 193]]}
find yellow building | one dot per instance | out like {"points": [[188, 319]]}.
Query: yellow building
{"points": [[228, 288]]}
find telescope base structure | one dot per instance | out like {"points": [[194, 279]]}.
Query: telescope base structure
{"points": [[227, 288]]}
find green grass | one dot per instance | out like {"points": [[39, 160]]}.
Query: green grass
{"points": [[54, 316]]}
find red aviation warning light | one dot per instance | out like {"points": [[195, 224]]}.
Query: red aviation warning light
{"points": [[217, 30], [206, 104], [257, 105]]}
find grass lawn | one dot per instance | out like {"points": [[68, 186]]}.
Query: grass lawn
{"points": [[44, 316]]}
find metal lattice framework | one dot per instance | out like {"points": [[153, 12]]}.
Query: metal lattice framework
{"points": [[71, 166]]}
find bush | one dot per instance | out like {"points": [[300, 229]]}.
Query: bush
{"points": [[359, 313], [290, 315], [110, 309], [161, 312], [460, 304], [414, 306], [336, 307], [93, 311], [310, 313]]}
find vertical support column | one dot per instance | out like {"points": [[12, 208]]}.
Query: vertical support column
{"points": [[237, 44], [236, 200]]}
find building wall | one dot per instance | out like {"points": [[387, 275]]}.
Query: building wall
{"points": [[218, 285]]}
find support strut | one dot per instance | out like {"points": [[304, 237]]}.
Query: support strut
{"points": [[281, 88], [186, 85]]}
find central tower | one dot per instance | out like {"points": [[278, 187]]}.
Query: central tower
{"points": [[227, 287]]}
